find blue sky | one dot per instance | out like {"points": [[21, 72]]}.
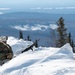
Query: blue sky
{"points": [[37, 5]]}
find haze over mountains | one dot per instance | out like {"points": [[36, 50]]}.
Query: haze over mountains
{"points": [[32, 23]]}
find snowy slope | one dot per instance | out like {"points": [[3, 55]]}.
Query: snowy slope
{"points": [[18, 44], [41, 61]]}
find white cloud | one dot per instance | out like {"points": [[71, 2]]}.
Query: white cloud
{"points": [[53, 26], [69, 7], [19, 27], [48, 8], [31, 28], [4, 8], [39, 27], [38, 8], [65, 8], [59, 8]]}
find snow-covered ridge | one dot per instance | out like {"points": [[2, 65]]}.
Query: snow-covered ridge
{"points": [[41, 61]]}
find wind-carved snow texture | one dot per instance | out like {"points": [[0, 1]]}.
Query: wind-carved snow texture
{"points": [[65, 71], [41, 61]]}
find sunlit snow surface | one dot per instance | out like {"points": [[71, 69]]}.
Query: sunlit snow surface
{"points": [[41, 61], [18, 44]]}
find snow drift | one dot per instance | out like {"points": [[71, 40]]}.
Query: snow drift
{"points": [[66, 50], [41, 61], [18, 44]]}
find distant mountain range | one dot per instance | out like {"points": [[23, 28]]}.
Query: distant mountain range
{"points": [[34, 15]]}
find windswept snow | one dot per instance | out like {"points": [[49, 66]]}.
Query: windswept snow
{"points": [[41, 61], [64, 51], [18, 44]]}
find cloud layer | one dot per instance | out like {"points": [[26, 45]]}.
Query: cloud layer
{"points": [[31, 28], [39, 8], [4, 8], [53, 26]]}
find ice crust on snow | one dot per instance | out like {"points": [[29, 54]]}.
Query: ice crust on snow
{"points": [[41, 61]]}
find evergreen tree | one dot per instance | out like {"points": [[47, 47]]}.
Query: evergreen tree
{"points": [[20, 35], [69, 38], [28, 38], [36, 43], [72, 44], [62, 35]]}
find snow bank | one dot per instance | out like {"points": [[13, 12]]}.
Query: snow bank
{"points": [[66, 50], [18, 44], [41, 61]]}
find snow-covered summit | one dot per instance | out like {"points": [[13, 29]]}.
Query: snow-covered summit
{"points": [[41, 61]]}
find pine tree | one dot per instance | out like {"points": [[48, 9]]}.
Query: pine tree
{"points": [[69, 39], [28, 38], [62, 35], [72, 44], [36, 43], [20, 35]]}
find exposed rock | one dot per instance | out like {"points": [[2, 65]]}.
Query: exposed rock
{"points": [[5, 51]]}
